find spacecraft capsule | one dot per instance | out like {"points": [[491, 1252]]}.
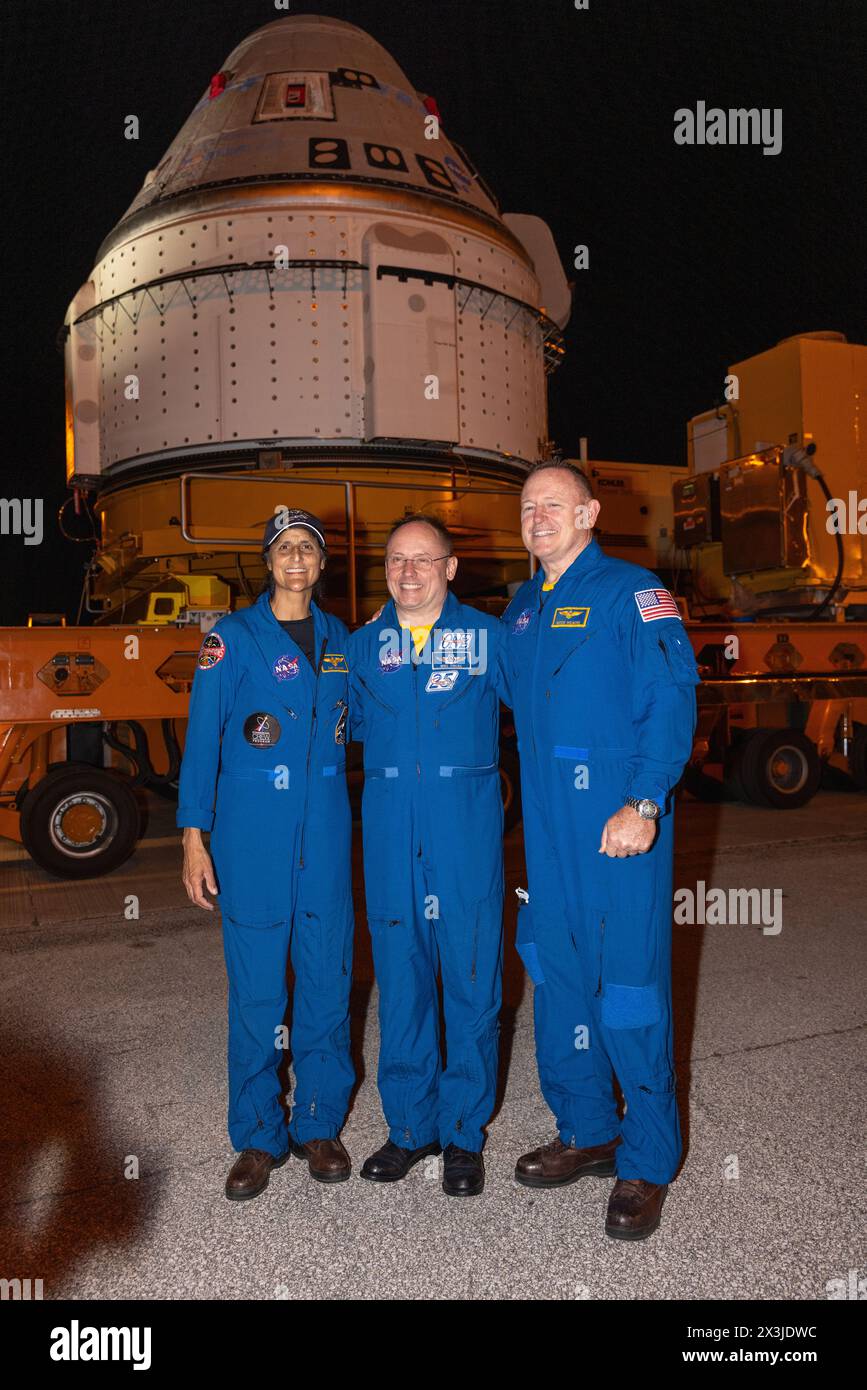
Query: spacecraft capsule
{"points": [[314, 268]]}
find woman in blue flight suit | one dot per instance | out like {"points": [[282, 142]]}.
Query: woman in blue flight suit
{"points": [[264, 770]]}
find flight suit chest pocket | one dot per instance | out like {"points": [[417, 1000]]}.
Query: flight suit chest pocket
{"points": [[574, 649], [371, 693]]}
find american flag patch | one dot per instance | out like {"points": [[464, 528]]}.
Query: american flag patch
{"points": [[656, 603]]}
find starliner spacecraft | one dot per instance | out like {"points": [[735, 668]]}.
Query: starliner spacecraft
{"points": [[314, 290]]}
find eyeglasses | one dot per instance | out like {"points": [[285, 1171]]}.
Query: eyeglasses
{"points": [[421, 562]]}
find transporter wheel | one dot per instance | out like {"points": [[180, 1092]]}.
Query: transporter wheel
{"points": [[777, 767], [80, 821], [858, 758], [510, 786], [167, 791], [701, 786]]}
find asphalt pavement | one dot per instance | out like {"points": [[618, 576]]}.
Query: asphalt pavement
{"points": [[112, 1066]]}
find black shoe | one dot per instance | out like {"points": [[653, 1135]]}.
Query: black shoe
{"points": [[391, 1162], [464, 1172]]}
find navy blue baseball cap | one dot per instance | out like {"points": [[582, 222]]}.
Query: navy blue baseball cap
{"points": [[285, 519]]}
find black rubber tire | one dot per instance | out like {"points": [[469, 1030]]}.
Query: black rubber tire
{"points": [[510, 786], [702, 787], [858, 758], [779, 768], [71, 852], [167, 791]]}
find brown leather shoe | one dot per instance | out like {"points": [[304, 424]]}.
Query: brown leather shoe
{"points": [[250, 1172], [327, 1159], [634, 1208], [556, 1164]]}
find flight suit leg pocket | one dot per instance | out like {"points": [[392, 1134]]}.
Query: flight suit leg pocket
{"points": [[255, 955], [337, 934], [307, 949], [526, 946], [630, 1006], [323, 947], [392, 951], [383, 923]]}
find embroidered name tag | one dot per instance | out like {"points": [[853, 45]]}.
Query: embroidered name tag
{"points": [[334, 661], [570, 617], [452, 648]]}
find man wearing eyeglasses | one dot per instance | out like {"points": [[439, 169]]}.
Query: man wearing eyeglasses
{"points": [[425, 686]]}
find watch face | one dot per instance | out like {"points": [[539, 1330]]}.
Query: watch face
{"points": [[648, 809]]}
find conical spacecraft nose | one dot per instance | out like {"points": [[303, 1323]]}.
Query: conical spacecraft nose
{"points": [[310, 97], [313, 267]]}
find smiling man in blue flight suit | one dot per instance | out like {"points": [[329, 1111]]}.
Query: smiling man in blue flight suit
{"points": [[425, 686], [602, 679], [264, 770]]}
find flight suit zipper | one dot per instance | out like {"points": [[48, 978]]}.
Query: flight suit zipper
{"points": [[568, 657], [601, 951], [373, 695], [310, 747], [417, 730], [535, 684], [663, 647], [417, 720]]}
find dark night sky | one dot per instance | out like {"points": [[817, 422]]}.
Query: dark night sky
{"points": [[698, 256]]}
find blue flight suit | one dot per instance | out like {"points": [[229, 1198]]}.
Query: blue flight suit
{"points": [[432, 816], [264, 770], [602, 679]]}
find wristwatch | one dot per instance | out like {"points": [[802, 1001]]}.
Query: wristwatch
{"points": [[647, 809]]}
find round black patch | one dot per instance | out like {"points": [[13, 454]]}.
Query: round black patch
{"points": [[262, 730]]}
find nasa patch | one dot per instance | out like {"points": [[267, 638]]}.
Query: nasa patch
{"points": [[441, 680], [212, 650], [522, 622], [286, 667], [261, 730], [389, 661]]}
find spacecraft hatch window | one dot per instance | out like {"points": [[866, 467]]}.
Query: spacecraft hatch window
{"points": [[295, 95]]}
